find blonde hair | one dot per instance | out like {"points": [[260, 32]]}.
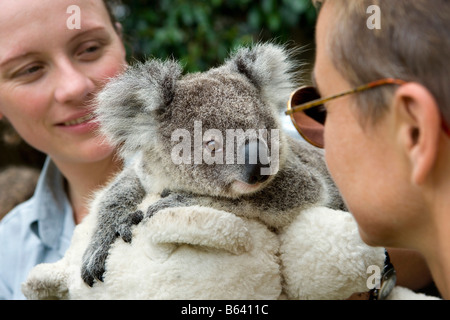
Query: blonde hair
{"points": [[413, 44]]}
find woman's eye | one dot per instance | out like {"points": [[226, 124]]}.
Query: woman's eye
{"points": [[89, 51], [32, 69], [30, 73]]}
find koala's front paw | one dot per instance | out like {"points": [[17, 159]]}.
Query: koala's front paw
{"points": [[170, 199], [94, 259], [123, 229], [93, 266]]}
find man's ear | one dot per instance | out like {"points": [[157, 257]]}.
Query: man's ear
{"points": [[419, 127]]}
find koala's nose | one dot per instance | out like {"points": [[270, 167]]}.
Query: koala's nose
{"points": [[256, 157]]}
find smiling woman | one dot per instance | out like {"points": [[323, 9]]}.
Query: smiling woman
{"points": [[49, 74], [57, 73]]}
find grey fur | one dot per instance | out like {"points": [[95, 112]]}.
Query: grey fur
{"points": [[117, 214], [142, 108]]}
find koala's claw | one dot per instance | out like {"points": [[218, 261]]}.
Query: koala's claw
{"points": [[93, 267], [88, 279], [136, 217], [124, 228], [94, 261], [165, 193]]}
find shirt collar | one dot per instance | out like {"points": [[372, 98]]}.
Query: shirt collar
{"points": [[52, 206]]}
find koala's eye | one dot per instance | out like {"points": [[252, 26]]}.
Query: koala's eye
{"points": [[213, 146]]}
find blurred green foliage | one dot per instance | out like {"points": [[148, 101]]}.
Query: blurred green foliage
{"points": [[201, 33]]}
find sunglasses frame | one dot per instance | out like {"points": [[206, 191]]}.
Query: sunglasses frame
{"points": [[311, 104]]}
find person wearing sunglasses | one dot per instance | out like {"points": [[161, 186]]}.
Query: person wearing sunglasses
{"points": [[380, 107]]}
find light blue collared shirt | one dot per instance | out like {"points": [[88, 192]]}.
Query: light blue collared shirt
{"points": [[36, 231]]}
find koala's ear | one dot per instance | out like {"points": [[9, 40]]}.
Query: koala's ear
{"points": [[269, 67], [128, 104]]}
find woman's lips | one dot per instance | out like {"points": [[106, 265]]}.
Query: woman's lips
{"points": [[80, 125], [79, 120]]}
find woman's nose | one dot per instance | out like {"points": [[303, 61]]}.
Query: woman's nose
{"points": [[73, 85]]}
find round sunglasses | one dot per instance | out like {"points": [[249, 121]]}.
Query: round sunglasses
{"points": [[308, 113]]}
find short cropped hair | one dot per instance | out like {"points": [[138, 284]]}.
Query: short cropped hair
{"points": [[413, 44]]}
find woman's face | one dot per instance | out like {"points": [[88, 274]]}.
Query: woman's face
{"points": [[49, 73]]}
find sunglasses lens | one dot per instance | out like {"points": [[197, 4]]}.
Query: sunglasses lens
{"points": [[311, 121]]}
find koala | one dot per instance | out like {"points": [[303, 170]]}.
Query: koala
{"points": [[211, 139]]}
